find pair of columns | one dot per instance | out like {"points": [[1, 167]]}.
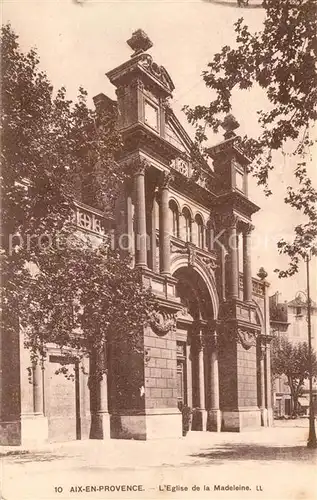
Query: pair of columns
{"points": [[140, 216], [234, 263], [214, 373]]}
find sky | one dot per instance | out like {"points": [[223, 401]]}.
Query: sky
{"points": [[78, 43]]}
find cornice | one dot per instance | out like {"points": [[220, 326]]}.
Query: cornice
{"points": [[139, 135], [149, 71], [235, 200], [222, 149]]}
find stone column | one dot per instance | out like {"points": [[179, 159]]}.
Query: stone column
{"points": [[269, 386], [140, 215], [34, 427], [37, 389], [129, 222], [200, 414], [100, 418], [103, 406], [211, 232], [153, 234], [189, 358], [181, 224], [247, 273], [262, 382], [201, 376], [233, 259], [164, 215], [268, 354], [194, 232], [214, 415], [205, 237]]}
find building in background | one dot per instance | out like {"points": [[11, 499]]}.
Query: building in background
{"points": [[208, 347], [289, 319]]}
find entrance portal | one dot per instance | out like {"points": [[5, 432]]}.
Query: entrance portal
{"points": [[196, 379]]}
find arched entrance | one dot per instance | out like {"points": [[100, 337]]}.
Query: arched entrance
{"points": [[197, 368]]}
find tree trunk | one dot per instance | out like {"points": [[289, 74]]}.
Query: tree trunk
{"points": [[294, 403], [295, 393]]}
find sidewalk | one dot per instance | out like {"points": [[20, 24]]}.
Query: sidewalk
{"points": [[273, 463], [281, 442]]}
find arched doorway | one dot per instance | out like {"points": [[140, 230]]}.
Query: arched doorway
{"points": [[195, 347]]}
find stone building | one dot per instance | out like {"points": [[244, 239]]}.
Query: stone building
{"points": [[209, 346], [289, 319]]}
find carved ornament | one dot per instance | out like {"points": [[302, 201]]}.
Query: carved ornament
{"points": [[137, 83], [209, 262], [159, 72], [137, 166], [139, 42], [248, 228], [166, 179], [198, 342], [247, 338], [225, 221], [162, 323], [192, 255]]}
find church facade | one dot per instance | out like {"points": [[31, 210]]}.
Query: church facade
{"points": [[208, 346]]}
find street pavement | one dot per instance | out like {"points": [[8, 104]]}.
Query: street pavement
{"points": [[266, 464]]}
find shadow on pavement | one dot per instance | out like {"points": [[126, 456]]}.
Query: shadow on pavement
{"points": [[258, 452], [25, 457]]}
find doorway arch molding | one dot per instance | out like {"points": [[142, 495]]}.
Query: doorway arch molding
{"points": [[181, 261]]}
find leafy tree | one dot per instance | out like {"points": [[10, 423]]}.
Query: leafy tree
{"points": [[292, 360], [82, 298], [55, 152], [281, 60]]}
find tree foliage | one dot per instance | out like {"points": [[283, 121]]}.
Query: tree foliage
{"points": [[281, 60], [83, 298], [55, 152], [292, 360]]}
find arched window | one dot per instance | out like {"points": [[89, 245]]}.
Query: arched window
{"points": [[187, 224], [175, 218], [200, 231]]}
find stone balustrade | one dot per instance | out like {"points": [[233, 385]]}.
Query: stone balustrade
{"points": [[257, 286], [90, 220]]}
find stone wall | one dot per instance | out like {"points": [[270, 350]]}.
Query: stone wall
{"points": [[246, 376], [160, 370], [10, 395], [228, 374]]}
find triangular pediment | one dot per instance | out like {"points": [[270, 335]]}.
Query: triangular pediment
{"points": [[175, 133]]}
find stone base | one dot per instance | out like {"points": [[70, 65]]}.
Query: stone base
{"points": [[199, 420], [263, 417], [34, 429], [214, 421], [164, 425], [154, 424], [270, 419], [241, 419], [10, 433], [100, 426]]}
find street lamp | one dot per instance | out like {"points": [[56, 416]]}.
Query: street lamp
{"points": [[311, 442]]}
